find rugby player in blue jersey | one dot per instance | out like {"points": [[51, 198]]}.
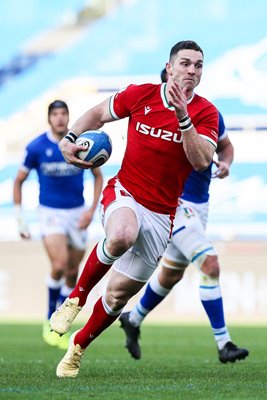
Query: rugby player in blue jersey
{"points": [[64, 218], [189, 243]]}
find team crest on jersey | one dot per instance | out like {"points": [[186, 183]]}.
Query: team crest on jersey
{"points": [[188, 212], [49, 152]]}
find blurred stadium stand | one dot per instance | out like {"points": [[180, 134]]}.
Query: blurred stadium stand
{"points": [[81, 51], [22, 21], [132, 38], [31, 63]]}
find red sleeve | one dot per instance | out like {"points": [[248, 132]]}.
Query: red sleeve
{"points": [[207, 126], [121, 103]]}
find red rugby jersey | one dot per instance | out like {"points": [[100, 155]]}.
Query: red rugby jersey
{"points": [[154, 166]]}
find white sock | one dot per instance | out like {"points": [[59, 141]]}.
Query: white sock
{"points": [[154, 294], [103, 254], [65, 290]]}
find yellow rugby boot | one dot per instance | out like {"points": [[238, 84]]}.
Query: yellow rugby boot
{"points": [[62, 318], [69, 366], [49, 337], [63, 341]]}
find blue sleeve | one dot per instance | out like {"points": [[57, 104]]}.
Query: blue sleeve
{"points": [[221, 129], [30, 158]]}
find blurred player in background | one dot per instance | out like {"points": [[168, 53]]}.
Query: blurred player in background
{"points": [[63, 216], [163, 146], [190, 244]]}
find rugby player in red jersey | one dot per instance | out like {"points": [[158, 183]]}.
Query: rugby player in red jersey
{"points": [[171, 131], [190, 244]]}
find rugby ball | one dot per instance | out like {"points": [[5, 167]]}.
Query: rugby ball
{"points": [[97, 147]]}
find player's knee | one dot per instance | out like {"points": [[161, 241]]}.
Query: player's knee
{"points": [[169, 277], [211, 266], [119, 241], [59, 267], [115, 299]]}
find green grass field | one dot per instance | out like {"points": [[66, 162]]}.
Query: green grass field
{"points": [[179, 362]]}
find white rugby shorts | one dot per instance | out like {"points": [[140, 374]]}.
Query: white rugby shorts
{"points": [[64, 221], [140, 261], [189, 242]]}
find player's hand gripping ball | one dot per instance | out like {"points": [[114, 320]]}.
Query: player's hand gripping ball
{"points": [[97, 147]]}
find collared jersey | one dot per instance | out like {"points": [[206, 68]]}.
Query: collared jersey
{"points": [[60, 184], [197, 185], [154, 166]]}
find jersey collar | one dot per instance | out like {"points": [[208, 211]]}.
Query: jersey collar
{"points": [[163, 93], [51, 137]]}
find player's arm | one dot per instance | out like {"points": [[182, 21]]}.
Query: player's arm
{"points": [[225, 151], [17, 199], [92, 119], [198, 150], [98, 185]]}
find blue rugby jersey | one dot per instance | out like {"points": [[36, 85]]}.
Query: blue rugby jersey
{"points": [[60, 184], [196, 188]]}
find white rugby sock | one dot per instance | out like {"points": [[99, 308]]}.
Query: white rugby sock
{"points": [[211, 298], [103, 254], [154, 294]]}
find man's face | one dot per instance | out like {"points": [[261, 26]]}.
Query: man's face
{"points": [[58, 120], [186, 68]]}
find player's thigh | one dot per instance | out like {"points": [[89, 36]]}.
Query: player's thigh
{"points": [[133, 267], [52, 221], [189, 209], [189, 237], [119, 212], [173, 257], [153, 237], [150, 231], [56, 246]]}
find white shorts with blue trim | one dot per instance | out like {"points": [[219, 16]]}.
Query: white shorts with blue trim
{"points": [[189, 242]]}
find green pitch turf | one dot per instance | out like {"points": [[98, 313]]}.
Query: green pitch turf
{"points": [[179, 362]]}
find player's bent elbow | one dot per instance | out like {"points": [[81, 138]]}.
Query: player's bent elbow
{"points": [[201, 166]]}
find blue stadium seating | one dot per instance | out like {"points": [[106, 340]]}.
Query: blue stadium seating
{"points": [[135, 40], [22, 20]]}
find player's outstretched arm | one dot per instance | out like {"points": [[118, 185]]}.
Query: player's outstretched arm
{"points": [[92, 119]]}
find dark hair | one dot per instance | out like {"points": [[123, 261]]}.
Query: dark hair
{"points": [[185, 45], [164, 75], [57, 104]]}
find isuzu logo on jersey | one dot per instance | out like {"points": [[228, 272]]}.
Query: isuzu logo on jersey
{"points": [[159, 133]]}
